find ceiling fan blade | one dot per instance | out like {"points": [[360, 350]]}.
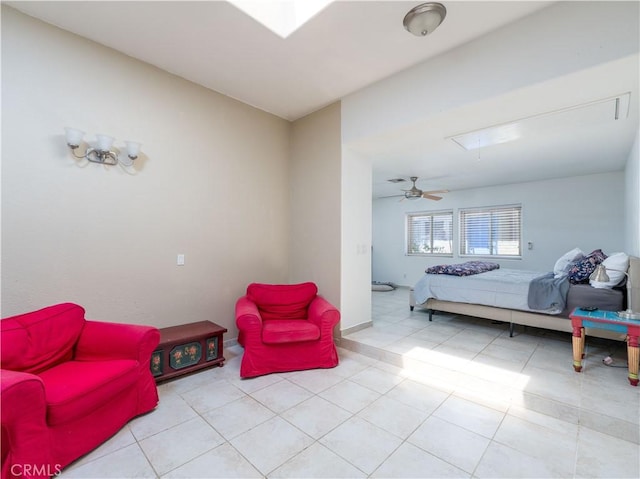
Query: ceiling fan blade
{"points": [[434, 191], [431, 197], [415, 192], [390, 196]]}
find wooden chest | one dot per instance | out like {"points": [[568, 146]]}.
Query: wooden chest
{"points": [[187, 348]]}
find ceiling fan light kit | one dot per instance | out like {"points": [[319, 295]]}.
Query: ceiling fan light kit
{"points": [[424, 18], [410, 195], [416, 193]]}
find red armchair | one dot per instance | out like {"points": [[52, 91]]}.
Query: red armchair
{"points": [[67, 385], [285, 328]]}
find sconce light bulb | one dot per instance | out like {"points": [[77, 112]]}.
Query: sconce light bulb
{"points": [[104, 142], [74, 137], [133, 148]]}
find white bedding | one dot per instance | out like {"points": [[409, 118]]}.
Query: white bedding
{"points": [[503, 288]]}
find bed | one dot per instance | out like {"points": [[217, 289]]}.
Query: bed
{"points": [[502, 294]]}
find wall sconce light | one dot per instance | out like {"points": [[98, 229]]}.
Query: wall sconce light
{"points": [[103, 151]]}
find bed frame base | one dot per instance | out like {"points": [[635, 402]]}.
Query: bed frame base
{"points": [[433, 311]]}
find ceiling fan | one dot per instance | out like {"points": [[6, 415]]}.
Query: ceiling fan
{"points": [[414, 193]]}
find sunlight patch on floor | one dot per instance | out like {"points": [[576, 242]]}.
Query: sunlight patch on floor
{"points": [[453, 372]]}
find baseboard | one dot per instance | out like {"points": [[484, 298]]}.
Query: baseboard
{"points": [[356, 328]]}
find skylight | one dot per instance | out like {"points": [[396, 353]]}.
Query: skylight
{"points": [[582, 115], [283, 17]]}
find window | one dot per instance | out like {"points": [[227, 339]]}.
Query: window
{"points": [[430, 233], [492, 231]]}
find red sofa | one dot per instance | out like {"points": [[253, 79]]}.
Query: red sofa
{"points": [[67, 385], [285, 328]]}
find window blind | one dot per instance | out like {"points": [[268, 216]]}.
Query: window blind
{"points": [[494, 231], [430, 233]]}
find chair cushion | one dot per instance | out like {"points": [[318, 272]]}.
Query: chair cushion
{"points": [[282, 301], [75, 388], [289, 331], [35, 341]]}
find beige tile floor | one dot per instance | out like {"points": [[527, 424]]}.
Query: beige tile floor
{"points": [[452, 398]]}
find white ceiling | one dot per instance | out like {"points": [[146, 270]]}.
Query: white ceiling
{"points": [[561, 142], [343, 48]]}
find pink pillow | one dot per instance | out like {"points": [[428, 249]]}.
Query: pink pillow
{"points": [[282, 301]]}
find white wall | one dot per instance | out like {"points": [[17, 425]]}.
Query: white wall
{"points": [[315, 171], [632, 200], [584, 211], [214, 186], [356, 241]]}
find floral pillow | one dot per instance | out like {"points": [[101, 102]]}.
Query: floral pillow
{"points": [[463, 269], [580, 270]]}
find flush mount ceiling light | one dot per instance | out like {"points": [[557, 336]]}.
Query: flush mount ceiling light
{"points": [[424, 18]]}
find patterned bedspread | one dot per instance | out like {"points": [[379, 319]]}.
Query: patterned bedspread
{"points": [[463, 269]]}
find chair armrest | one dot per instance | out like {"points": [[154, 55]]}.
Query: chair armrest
{"points": [[15, 386], [247, 315], [25, 435], [101, 340], [323, 314]]}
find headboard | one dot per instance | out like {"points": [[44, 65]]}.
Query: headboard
{"points": [[634, 277]]}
